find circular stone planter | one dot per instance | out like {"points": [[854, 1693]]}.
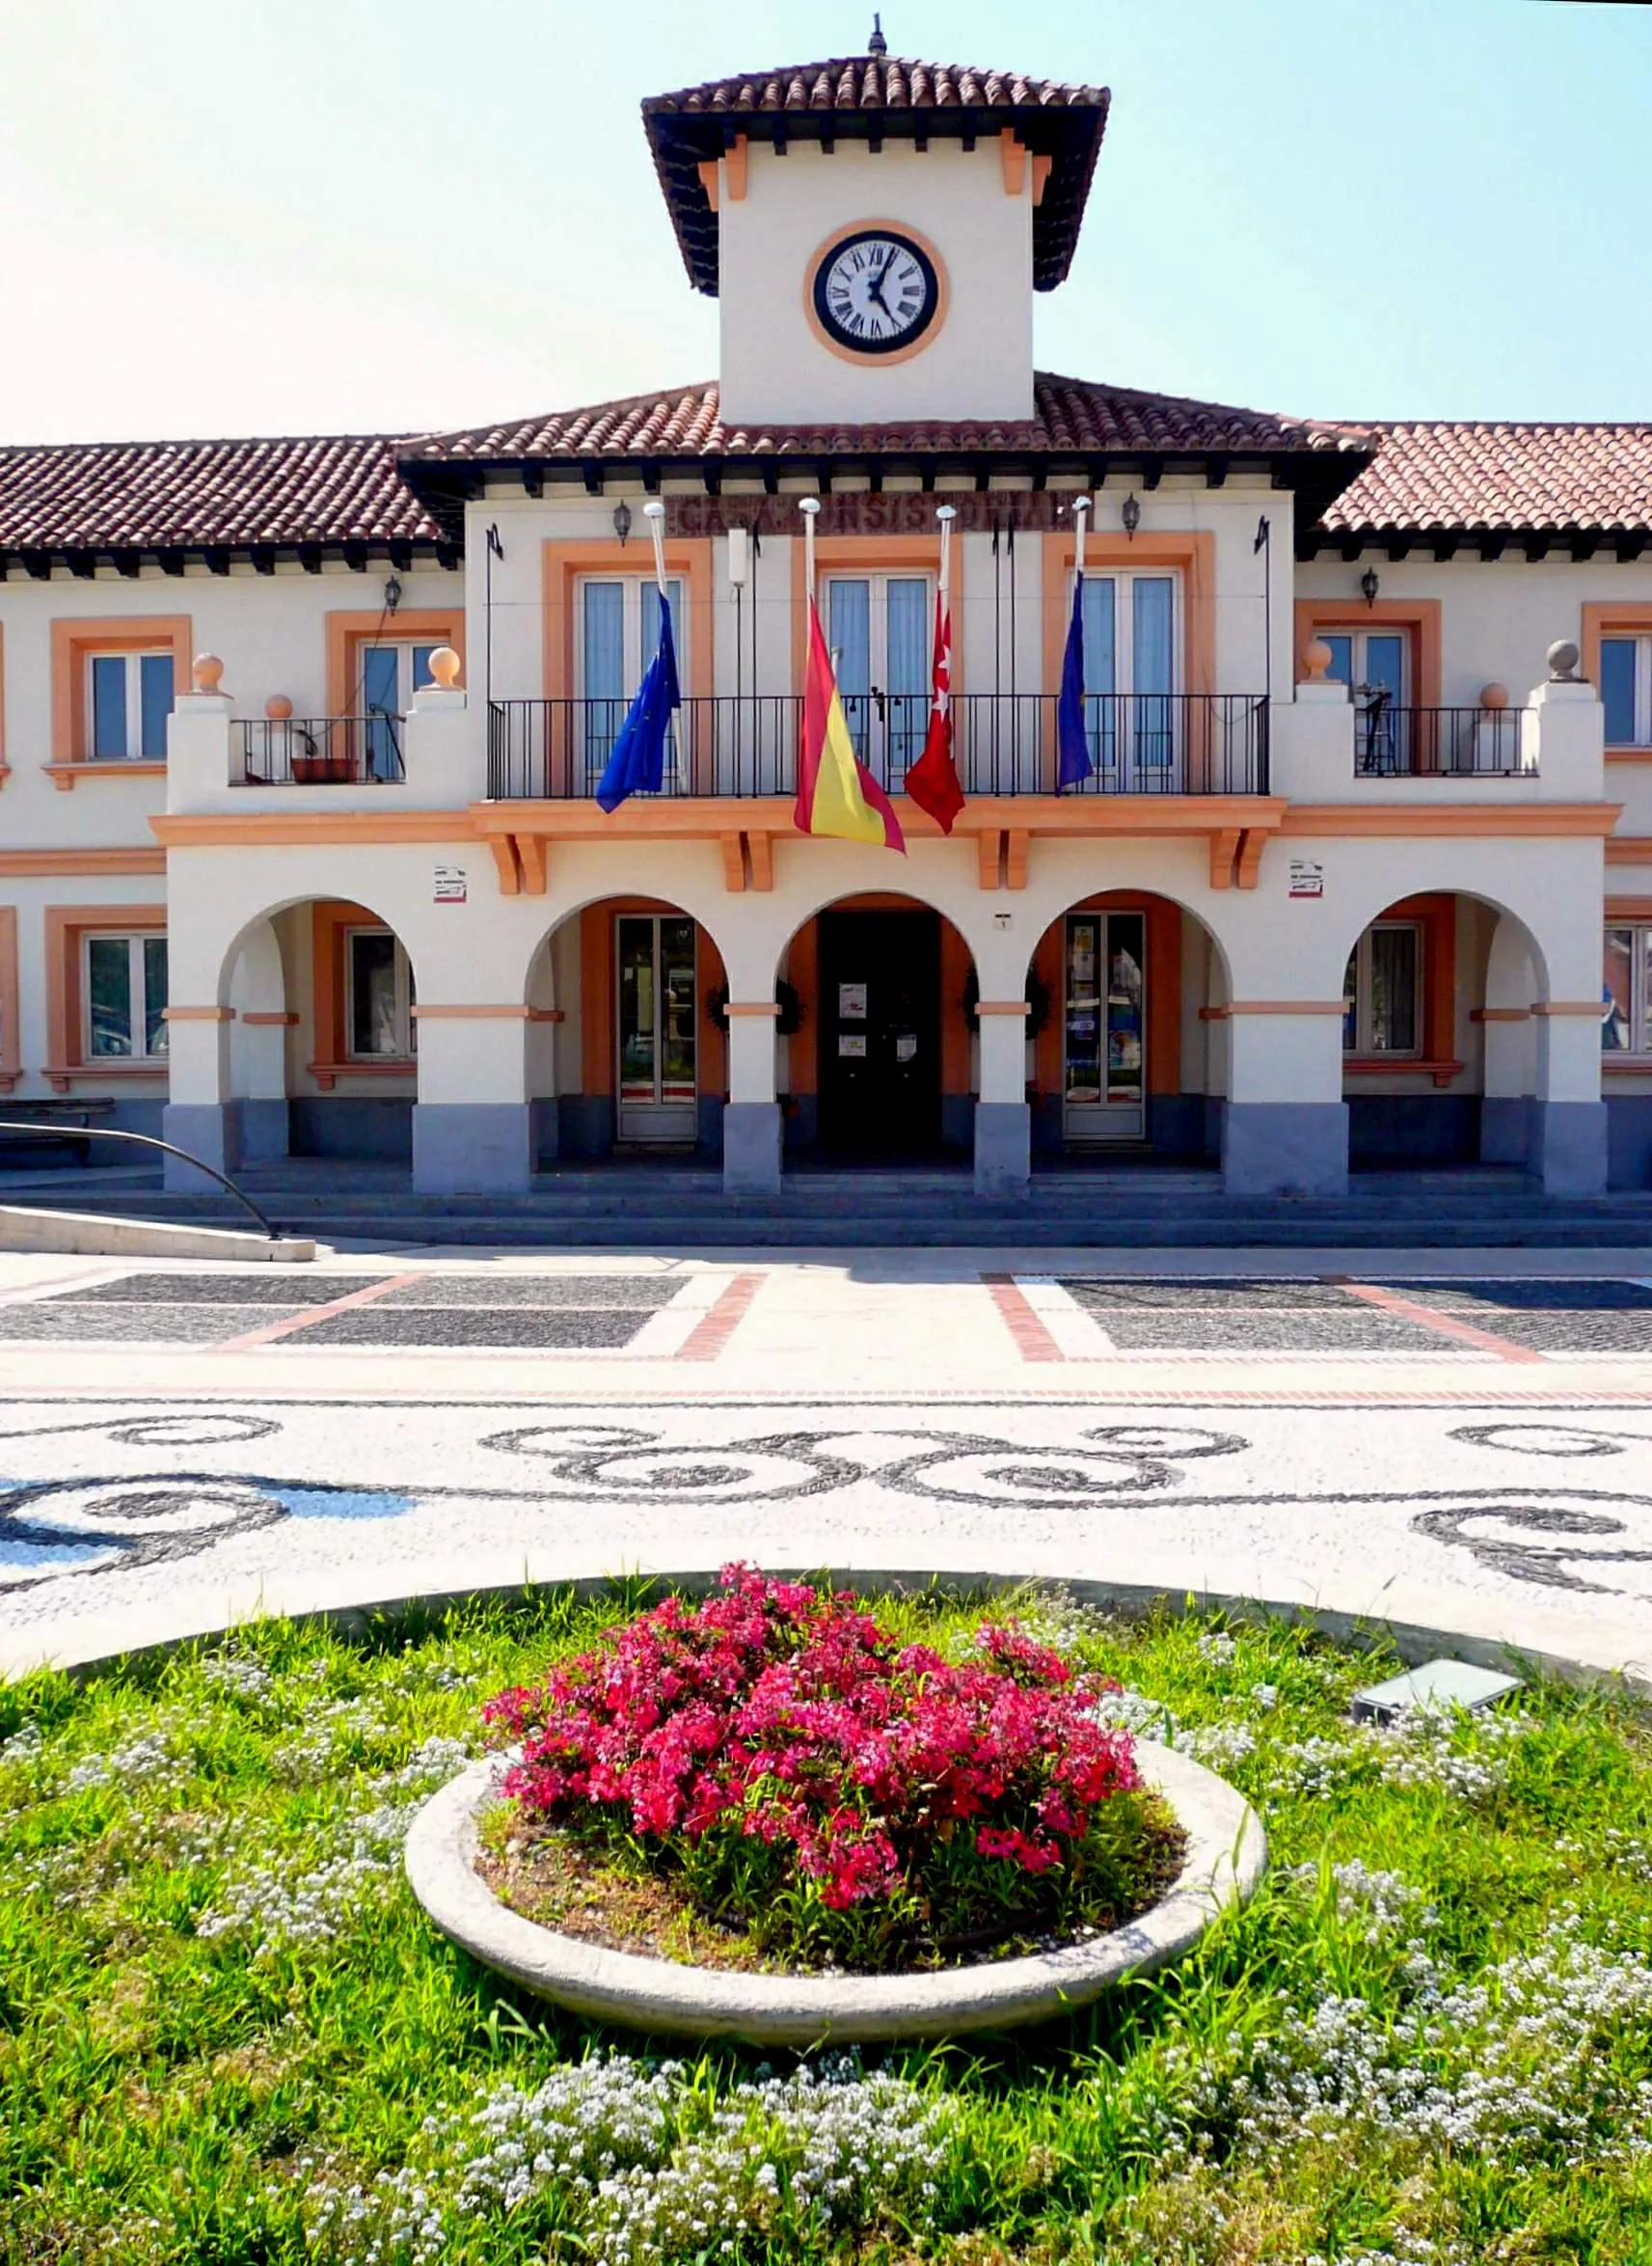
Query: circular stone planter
{"points": [[1227, 1851]]}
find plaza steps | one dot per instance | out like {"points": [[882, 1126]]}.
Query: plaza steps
{"points": [[661, 1208]]}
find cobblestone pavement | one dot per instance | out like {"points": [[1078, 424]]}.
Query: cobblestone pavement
{"points": [[1460, 1447]]}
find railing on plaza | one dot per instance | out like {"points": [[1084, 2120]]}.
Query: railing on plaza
{"points": [[1438, 743], [1004, 744], [321, 750]]}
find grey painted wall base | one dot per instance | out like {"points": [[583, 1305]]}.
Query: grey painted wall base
{"points": [[208, 1130], [472, 1148], [1286, 1148], [1505, 1129], [585, 1124], [751, 1148], [547, 1130], [1003, 1148], [358, 1126], [263, 1129], [1629, 1140], [1569, 1146], [1398, 1130]]}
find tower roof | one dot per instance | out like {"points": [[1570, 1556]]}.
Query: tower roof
{"points": [[872, 99]]}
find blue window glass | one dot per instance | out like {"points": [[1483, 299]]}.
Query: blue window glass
{"points": [[381, 698], [154, 680], [1617, 690], [849, 634], [1340, 670], [908, 630], [421, 675], [1100, 668], [109, 996], [109, 704], [603, 655], [155, 994], [1152, 633]]}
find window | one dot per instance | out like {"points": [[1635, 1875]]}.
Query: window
{"points": [[125, 987], [879, 628], [655, 1026], [1626, 689], [1625, 991], [129, 700], [1382, 990], [619, 635], [1131, 637], [1104, 1027], [390, 675], [379, 997], [1376, 663]]}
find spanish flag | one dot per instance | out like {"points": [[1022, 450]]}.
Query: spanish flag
{"points": [[836, 794]]}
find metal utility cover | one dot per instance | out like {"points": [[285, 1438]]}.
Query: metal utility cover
{"points": [[1437, 1683]]}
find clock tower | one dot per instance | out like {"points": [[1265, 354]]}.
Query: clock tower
{"points": [[874, 229]]}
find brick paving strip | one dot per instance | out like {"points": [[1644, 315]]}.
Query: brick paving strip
{"points": [[270, 1331], [708, 1337], [1032, 1340], [1448, 1325]]}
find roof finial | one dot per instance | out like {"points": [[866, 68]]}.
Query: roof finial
{"points": [[878, 44]]}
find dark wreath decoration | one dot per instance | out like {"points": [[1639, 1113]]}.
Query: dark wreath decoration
{"points": [[788, 1023], [1037, 997]]}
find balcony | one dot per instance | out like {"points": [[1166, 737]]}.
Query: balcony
{"points": [[1438, 743], [321, 752], [1004, 744]]}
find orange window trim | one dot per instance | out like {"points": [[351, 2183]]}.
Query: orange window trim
{"points": [[330, 918], [1192, 555], [565, 565], [1615, 618], [348, 633], [1163, 974], [73, 641], [65, 926], [599, 996], [11, 1045], [875, 555], [1419, 618]]}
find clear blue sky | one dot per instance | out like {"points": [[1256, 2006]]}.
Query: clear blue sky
{"points": [[230, 216]]}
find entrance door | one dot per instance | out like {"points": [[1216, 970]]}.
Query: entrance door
{"points": [[877, 625], [1104, 1069], [879, 1031], [658, 1021]]}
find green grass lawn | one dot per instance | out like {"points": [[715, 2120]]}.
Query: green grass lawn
{"points": [[227, 2033]]}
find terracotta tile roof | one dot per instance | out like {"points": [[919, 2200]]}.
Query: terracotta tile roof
{"points": [[147, 496], [883, 96], [1072, 417], [1461, 477]]}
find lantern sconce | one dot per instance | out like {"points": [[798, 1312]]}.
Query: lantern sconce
{"points": [[1130, 512], [392, 594], [1369, 584], [622, 521]]}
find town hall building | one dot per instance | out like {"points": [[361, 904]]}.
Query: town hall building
{"points": [[299, 849]]}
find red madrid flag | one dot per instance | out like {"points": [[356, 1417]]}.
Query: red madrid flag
{"points": [[932, 781]]}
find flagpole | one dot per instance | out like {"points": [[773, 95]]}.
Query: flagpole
{"points": [[1082, 507], [946, 513], [809, 506], [654, 513]]}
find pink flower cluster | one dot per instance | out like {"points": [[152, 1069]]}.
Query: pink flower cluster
{"points": [[784, 1714]]}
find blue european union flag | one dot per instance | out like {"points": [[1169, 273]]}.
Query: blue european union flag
{"points": [[1072, 751], [638, 763]]}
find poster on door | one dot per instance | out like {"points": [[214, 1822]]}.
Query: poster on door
{"points": [[852, 1002]]}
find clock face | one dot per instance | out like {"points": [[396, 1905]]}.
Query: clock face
{"points": [[876, 292]]}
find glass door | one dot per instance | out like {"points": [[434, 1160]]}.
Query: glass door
{"points": [[1105, 1031], [1375, 665], [619, 636], [879, 628], [657, 1023], [1131, 679], [390, 675]]}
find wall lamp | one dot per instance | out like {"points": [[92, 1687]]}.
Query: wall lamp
{"points": [[622, 521], [1369, 584], [392, 594], [1130, 512]]}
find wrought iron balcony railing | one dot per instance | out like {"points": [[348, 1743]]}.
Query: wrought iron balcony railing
{"points": [[1003, 743], [1438, 743], [321, 752]]}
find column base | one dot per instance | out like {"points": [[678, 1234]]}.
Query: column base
{"points": [[1505, 1129], [208, 1130], [472, 1148], [751, 1149], [1284, 1149], [1569, 1146], [1003, 1148], [264, 1128]]}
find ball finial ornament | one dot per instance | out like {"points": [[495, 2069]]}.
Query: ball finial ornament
{"points": [[278, 708], [1563, 663], [444, 667], [208, 674], [1494, 695], [1318, 656]]}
